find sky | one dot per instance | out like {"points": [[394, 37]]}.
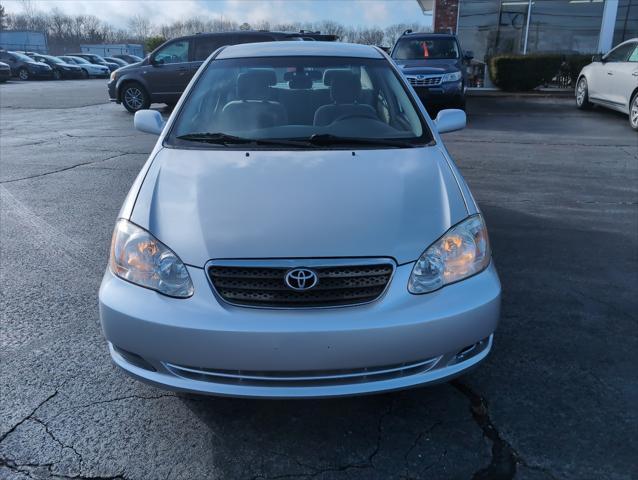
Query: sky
{"points": [[362, 13]]}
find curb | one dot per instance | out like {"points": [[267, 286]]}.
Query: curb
{"points": [[545, 93]]}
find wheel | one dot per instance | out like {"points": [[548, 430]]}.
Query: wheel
{"points": [[582, 95], [633, 112], [57, 75], [23, 74], [85, 74], [134, 97]]}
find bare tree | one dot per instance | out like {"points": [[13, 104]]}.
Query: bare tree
{"points": [[139, 27]]}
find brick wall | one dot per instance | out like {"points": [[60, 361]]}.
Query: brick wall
{"points": [[445, 15]]}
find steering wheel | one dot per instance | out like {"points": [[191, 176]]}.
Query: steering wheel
{"points": [[350, 116]]}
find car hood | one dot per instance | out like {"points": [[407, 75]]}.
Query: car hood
{"points": [[428, 66], [215, 204]]}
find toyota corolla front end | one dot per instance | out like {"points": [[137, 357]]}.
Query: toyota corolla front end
{"points": [[299, 231]]}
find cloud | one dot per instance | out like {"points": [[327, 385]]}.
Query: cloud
{"points": [[355, 12]]}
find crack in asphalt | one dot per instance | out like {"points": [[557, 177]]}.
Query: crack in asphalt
{"points": [[25, 468], [504, 457], [28, 417], [64, 169]]}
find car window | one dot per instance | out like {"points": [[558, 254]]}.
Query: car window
{"points": [[430, 48], [634, 55], [24, 58], [176, 52], [204, 46], [620, 53], [297, 97]]}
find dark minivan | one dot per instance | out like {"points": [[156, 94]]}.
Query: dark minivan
{"points": [[164, 74], [435, 66]]}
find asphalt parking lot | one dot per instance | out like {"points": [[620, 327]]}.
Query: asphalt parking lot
{"points": [[556, 399]]}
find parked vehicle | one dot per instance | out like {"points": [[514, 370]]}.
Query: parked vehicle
{"points": [[5, 72], [118, 61], [96, 60], [90, 69], [164, 74], [612, 81], [299, 230], [128, 58], [24, 67], [61, 69], [434, 65]]}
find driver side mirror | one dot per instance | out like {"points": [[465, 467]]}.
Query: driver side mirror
{"points": [[156, 61], [598, 58], [149, 121], [450, 120]]}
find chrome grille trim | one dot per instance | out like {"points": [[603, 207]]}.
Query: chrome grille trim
{"points": [[272, 270], [319, 377], [426, 81]]}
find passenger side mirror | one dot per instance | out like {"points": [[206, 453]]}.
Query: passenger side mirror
{"points": [[450, 120], [149, 121], [156, 61], [597, 58]]}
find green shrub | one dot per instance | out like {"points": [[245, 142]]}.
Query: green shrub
{"points": [[575, 63], [523, 72], [526, 72]]}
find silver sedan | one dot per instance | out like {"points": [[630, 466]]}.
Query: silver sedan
{"points": [[299, 230], [612, 81]]}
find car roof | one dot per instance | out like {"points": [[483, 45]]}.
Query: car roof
{"points": [[428, 35], [292, 49]]}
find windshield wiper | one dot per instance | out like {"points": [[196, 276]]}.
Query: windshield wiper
{"points": [[226, 139], [329, 139]]}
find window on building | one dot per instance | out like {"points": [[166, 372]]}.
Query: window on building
{"points": [[626, 21], [564, 26]]}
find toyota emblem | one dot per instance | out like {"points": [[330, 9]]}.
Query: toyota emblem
{"points": [[301, 279]]}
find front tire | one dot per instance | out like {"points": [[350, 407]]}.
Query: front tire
{"points": [[23, 74], [134, 97], [633, 112], [85, 74], [582, 94]]}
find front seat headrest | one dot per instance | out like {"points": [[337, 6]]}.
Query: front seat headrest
{"points": [[344, 87], [253, 85]]}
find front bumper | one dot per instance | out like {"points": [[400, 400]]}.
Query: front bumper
{"points": [[5, 75], [41, 73], [203, 345], [112, 89], [449, 94]]}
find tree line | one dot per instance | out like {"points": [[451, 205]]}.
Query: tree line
{"points": [[66, 32]]}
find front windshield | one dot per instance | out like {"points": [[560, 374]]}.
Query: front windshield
{"points": [[297, 99], [78, 60], [426, 49], [22, 57], [53, 59]]}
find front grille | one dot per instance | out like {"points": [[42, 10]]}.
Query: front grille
{"points": [[303, 378], [259, 286], [425, 82]]}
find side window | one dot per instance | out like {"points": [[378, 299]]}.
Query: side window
{"points": [[251, 38], [634, 55], [619, 54], [176, 52], [204, 46]]}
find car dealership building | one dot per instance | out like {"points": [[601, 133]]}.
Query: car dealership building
{"points": [[490, 27]]}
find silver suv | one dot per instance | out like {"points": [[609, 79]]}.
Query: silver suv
{"points": [[299, 230]]}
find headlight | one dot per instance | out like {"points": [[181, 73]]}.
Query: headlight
{"points": [[141, 259], [463, 251], [452, 77]]}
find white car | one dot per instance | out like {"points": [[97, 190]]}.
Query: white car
{"points": [[612, 81], [90, 69]]}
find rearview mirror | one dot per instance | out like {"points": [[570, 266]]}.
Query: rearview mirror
{"points": [[450, 120], [597, 58], [149, 121]]}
